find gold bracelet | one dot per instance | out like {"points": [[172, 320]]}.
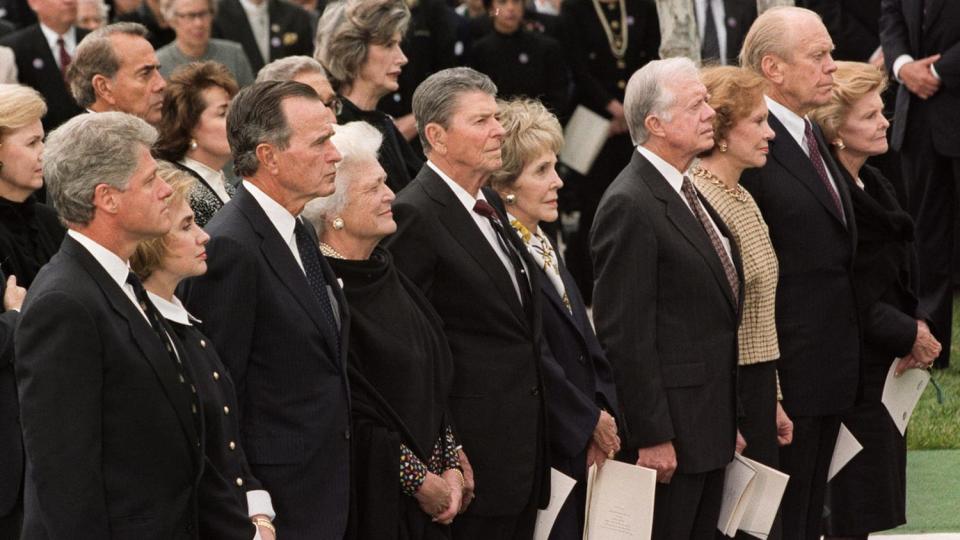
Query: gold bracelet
{"points": [[463, 480], [266, 524]]}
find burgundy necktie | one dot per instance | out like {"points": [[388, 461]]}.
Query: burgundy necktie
{"points": [[814, 150], [483, 208], [690, 194], [64, 57]]}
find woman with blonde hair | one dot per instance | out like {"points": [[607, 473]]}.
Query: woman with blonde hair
{"points": [[30, 233], [869, 494]]}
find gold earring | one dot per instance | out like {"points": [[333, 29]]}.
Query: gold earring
{"points": [[838, 142], [338, 223], [722, 146], [510, 198]]}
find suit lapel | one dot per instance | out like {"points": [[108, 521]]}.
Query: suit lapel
{"points": [[683, 219], [929, 17], [465, 231], [277, 254], [785, 150], [235, 16], [143, 336]]}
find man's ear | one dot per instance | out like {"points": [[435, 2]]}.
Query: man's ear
{"points": [[103, 89], [437, 137], [268, 158], [106, 198], [771, 67]]}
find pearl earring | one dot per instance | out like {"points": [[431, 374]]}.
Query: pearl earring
{"points": [[510, 198], [338, 223], [193, 144], [838, 142]]}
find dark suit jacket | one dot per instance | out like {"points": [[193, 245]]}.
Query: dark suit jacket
{"points": [[667, 319], [112, 448], [11, 474], [291, 31], [6, 28], [854, 26], [37, 68], [496, 399], [740, 14], [817, 323], [258, 309], [904, 29]]}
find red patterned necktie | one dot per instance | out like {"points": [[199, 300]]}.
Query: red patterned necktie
{"points": [[64, 57], [817, 159]]}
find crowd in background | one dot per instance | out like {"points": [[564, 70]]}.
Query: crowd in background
{"points": [[315, 270]]}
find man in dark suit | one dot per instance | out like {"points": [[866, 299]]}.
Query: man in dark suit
{"points": [[43, 53], [722, 25], [806, 205], [11, 474], [116, 69], [273, 309], [921, 47], [267, 29], [451, 243], [854, 26], [666, 302], [110, 425]]}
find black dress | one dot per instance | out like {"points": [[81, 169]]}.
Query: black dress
{"points": [[600, 77], [524, 63], [400, 371], [869, 494], [396, 156]]}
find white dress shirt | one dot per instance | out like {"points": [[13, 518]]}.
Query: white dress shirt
{"points": [[281, 219], [719, 14], [675, 179], [214, 179], [69, 42], [796, 126], [259, 20], [486, 228]]}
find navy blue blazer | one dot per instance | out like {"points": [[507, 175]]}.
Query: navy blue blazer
{"points": [[265, 322]]}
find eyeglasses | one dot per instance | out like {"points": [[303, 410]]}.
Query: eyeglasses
{"points": [[335, 105], [194, 15]]}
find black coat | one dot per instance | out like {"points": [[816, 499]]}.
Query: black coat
{"points": [[496, 399], [112, 448], [37, 68], [817, 322], [291, 31], [260, 312], [667, 319], [904, 29], [854, 26], [396, 156], [740, 14]]}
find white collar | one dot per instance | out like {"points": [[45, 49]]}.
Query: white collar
{"points": [[117, 268], [214, 179], [669, 172], [282, 220], [465, 198], [172, 311], [250, 7], [69, 40], [795, 124]]}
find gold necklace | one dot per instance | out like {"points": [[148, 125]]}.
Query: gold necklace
{"points": [[618, 44], [328, 251], [738, 193]]}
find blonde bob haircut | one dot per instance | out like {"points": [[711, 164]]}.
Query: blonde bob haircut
{"points": [[852, 82], [19, 106], [150, 253], [734, 93], [530, 130]]}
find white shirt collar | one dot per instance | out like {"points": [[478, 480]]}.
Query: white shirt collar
{"points": [[116, 268], [213, 178], [172, 311], [69, 41], [250, 7], [282, 220], [669, 172], [465, 198], [795, 124]]}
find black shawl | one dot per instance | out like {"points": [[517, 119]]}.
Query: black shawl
{"points": [[30, 233]]}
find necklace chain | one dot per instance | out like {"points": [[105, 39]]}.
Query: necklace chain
{"points": [[618, 44], [738, 193]]}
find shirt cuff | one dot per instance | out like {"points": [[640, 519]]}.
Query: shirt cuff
{"points": [[898, 63], [934, 71], [259, 502], [256, 535]]}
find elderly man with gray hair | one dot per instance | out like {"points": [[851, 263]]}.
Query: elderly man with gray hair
{"points": [[806, 204], [452, 244], [306, 70], [110, 426], [667, 299], [115, 69]]}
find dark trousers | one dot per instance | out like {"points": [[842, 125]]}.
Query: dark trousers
{"points": [[757, 384], [688, 507], [11, 523], [515, 527], [931, 184], [807, 461]]}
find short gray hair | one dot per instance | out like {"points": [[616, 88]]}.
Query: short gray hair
{"points": [[166, 8], [348, 28], [436, 97], [287, 68], [95, 56], [357, 142], [771, 34], [88, 150], [647, 93]]}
